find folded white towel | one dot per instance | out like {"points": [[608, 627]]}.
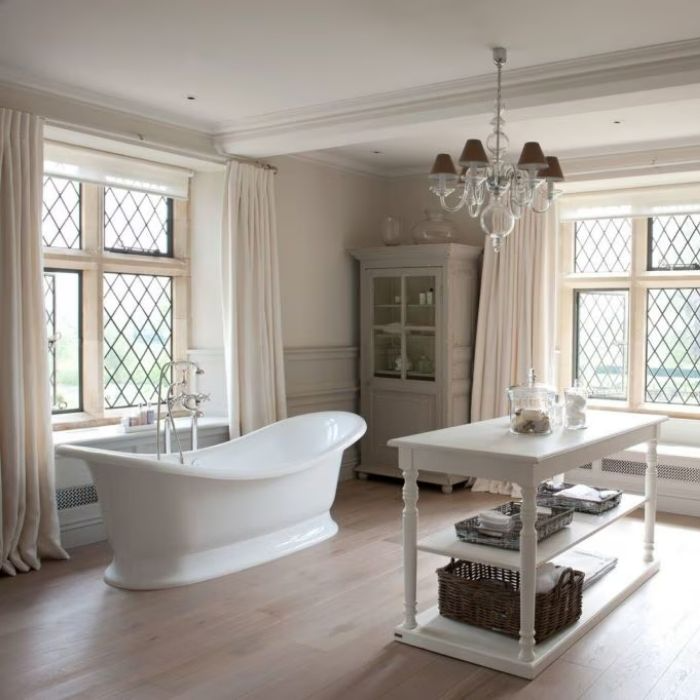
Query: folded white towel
{"points": [[496, 521], [548, 576], [584, 493]]}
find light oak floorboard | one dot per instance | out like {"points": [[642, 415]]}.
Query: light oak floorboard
{"points": [[318, 624]]}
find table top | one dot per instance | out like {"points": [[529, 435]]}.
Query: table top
{"points": [[493, 439]]}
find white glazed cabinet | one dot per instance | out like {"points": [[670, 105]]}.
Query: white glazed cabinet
{"points": [[418, 317]]}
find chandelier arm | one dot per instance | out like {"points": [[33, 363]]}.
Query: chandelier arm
{"points": [[456, 207]]}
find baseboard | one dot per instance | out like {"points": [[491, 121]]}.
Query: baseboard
{"points": [[82, 525]]}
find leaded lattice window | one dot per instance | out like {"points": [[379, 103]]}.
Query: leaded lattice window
{"points": [[137, 222], [603, 245], [673, 346], [50, 318], [62, 300], [138, 323], [674, 242], [600, 348], [60, 220]]}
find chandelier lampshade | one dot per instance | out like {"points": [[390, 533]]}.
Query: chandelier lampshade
{"points": [[488, 185]]}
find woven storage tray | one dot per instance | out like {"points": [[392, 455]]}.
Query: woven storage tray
{"points": [[489, 597], [546, 497], [546, 525]]}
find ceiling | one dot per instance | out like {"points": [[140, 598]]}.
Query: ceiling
{"points": [[291, 65]]}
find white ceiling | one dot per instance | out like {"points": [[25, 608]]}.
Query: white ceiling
{"points": [[272, 62], [243, 58]]}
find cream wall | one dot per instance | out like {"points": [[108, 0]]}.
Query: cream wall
{"points": [[408, 197], [321, 213]]}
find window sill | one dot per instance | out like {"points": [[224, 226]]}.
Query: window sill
{"points": [[114, 434]]}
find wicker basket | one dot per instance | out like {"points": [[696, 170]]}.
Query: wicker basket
{"points": [[546, 497], [489, 597], [468, 530]]}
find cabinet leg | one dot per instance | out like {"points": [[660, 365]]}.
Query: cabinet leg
{"points": [[446, 488], [362, 476], [410, 533], [650, 478], [528, 573]]}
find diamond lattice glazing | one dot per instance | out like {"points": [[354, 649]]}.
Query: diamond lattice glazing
{"points": [[675, 242], [50, 318], [673, 346], [137, 222], [138, 317], [603, 245], [60, 219], [602, 338]]}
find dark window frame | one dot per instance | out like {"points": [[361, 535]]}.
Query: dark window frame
{"points": [[81, 385]]}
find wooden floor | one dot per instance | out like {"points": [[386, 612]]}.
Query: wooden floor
{"points": [[318, 624]]}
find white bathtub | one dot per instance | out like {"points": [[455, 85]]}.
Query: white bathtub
{"points": [[229, 507]]}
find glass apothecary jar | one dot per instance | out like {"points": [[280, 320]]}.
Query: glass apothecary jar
{"points": [[530, 406], [575, 401]]}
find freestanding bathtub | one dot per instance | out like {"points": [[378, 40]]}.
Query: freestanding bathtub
{"points": [[229, 507]]}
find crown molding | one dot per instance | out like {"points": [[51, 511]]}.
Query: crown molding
{"points": [[10, 77], [99, 122], [365, 118], [337, 161]]}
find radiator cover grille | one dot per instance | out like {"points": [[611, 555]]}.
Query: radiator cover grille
{"points": [[666, 471], [74, 496]]}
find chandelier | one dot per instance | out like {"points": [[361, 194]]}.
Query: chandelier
{"points": [[510, 188]]}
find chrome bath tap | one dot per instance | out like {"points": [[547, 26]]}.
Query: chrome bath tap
{"points": [[177, 396]]}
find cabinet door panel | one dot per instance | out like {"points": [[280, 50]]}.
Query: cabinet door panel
{"points": [[394, 414]]}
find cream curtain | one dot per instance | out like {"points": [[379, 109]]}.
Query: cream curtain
{"points": [[29, 523], [252, 319], [515, 327]]}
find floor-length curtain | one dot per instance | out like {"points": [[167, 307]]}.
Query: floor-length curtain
{"points": [[251, 300], [29, 527], [515, 328]]}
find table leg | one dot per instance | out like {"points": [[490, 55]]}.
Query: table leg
{"points": [[528, 573], [410, 534], [650, 479]]}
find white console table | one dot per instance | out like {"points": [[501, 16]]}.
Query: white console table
{"points": [[487, 449]]}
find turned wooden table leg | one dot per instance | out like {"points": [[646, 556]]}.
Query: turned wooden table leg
{"points": [[410, 533], [650, 479], [528, 573]]}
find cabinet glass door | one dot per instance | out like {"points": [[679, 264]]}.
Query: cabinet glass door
{"points": [[420, 355], [403, 326], [420, 301], [388, 299]]}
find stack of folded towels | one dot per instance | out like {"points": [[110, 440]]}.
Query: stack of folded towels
{"points": [[495, 522], [581, 492]]}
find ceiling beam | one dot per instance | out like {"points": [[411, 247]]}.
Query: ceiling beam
{"points": [[395, 114]]}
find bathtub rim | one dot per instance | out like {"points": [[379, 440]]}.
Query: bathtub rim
{"points": [[95, 456]]}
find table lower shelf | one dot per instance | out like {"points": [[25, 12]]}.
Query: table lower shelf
{"points": [[476, 645]]}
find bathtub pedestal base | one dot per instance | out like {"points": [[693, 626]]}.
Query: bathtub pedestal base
{"points": [[189, 568]]}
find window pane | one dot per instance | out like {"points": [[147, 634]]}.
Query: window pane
{"points": [[603, 245], [673, 346], [138, 314], [601, 343], [62, 311], [137, 222], [60, 223], [674, 242]]}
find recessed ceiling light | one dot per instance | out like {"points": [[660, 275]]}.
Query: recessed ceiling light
{"points": [[192, 98]]}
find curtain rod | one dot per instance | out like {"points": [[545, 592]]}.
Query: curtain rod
{"points": [[256, 163]]}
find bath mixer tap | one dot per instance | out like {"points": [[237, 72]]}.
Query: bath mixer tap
{"points": [[176, 395]]}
